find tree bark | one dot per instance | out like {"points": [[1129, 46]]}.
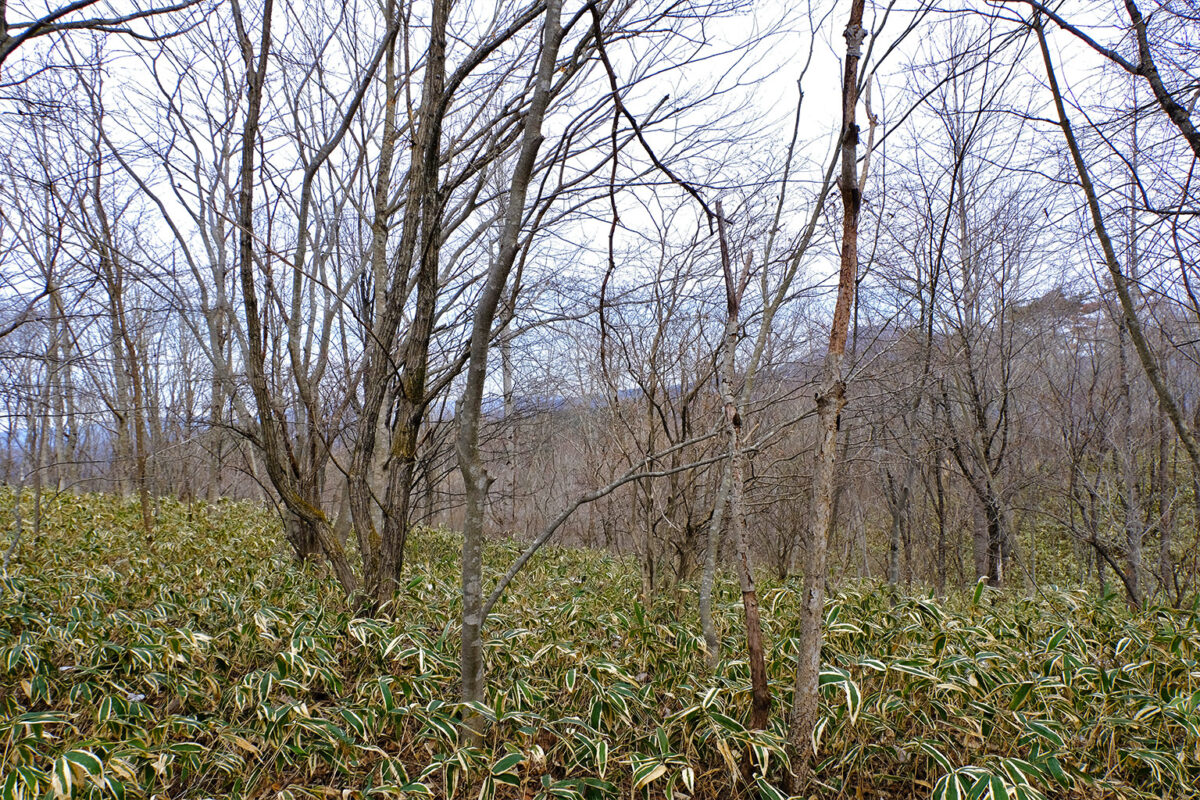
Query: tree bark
{"points": [[761, 707], [712, 641], [475, 477], [420, 240], [830, 402], [1166, 523], [1127, 447], [1127, 464], [273, 443]]}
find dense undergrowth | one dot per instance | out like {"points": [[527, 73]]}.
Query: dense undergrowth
{"points": [[208, 664]]}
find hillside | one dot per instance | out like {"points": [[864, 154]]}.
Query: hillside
{"points": [[208, 664]]}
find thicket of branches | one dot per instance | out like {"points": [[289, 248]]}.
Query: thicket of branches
{"points": [[568, 270]]}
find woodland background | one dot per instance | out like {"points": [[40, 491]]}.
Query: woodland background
{"points": [[644, 277]]}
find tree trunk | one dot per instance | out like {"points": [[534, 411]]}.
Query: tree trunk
{"points": [[898, 506], [122, 446], [420, 240], [994, 514], [1127, 464], [737, 483], [274, 443], [712, 641], [979, 538], [1166, 522], [940, 509], [127, 366], [475, 477], [649, 509], [302, 536], [830, 402]]}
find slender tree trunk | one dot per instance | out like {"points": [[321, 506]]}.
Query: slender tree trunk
{"points": [[649, 520], [18, 521], [506, 505], [1127, 464], [128, 364], [712, 641], [1134, 523], [761, 708], [70, 438], [122, 446], [420, 240], [366, 479], [56, 378], [216, 430], [898, 538], [996, 529], [979, 538], [830, 402], [411, 402], [894, 551], [475, 477], [1166, 522], [39, 463], [139, 430], [940, 509]]}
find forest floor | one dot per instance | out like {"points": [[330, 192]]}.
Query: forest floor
{"points": [[209, 664]]}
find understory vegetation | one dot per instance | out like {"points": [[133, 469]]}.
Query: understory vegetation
{"points": [[208, 663]]}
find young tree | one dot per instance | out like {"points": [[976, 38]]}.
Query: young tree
{"points": [[475, 478]]}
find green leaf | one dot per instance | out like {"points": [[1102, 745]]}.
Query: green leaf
{"points": [[1020, 695], [946, 788], [937, 756], [389, 702], [728, 723], [62, 779], [688, 776], [766, 791], [85, 760], [9, 790], [976, 595], [661, 740], [356, 722], [507, 763], [481, 709], [115, 787], [1056, 771], [1043, 730], [980, 788], [647, 773], [1019, 771]]}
